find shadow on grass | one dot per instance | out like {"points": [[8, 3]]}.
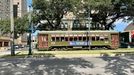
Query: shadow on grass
{"points": [[44, 66]]}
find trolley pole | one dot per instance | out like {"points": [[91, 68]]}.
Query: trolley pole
{"points": [[12, 29], [30, 32]]}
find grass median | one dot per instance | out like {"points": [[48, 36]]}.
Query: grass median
{"points": [[75, 53], [82, 52]]}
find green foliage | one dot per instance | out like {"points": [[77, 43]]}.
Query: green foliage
{"points": [[53, 11], [20, 26], [5, 26]]}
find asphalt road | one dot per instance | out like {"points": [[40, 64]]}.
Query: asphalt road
{"points": [[68, 66]]}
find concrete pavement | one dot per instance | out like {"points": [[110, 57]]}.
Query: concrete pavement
{"points": [[68, 66]]}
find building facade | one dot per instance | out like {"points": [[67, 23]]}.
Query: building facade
{"points": [[4, 9], [4, 43], [70, 22], [20, 8]]}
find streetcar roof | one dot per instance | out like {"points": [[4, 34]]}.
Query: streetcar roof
{"points": [[96, 31]]}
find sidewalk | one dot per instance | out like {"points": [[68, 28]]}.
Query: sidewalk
{"points": [[7, 52]]}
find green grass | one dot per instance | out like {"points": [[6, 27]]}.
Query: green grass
{"points": [[85, 51], [88, 52], [72, 53], [26, 55]]}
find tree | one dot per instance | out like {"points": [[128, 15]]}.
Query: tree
{"points": [[52, 11], [103, 12], [4, 27], [21, 26]]}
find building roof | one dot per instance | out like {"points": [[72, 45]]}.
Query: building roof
{"points": [[129, 27]]}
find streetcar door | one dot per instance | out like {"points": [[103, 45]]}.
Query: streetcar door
{"points": [[114, 41], [43, 41]]}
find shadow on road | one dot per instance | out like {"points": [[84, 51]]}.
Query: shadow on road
{"points": [[43, 66], [119, 65]]}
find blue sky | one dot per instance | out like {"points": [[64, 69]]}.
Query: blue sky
{"points": [[121, 25], [29, 2]]}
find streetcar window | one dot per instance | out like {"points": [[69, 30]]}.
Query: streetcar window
{"points": [[97, 38], [80, 38], [57, 38], [84, 38], [62, 39], [66, 38], [71, 38], [93, 38], [102, 38], [53, 39], [75, 38], [106, 39]]}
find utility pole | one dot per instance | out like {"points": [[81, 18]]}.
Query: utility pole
{"points": [[12, 28], [89, 34], [89, 25], [30, 32]]}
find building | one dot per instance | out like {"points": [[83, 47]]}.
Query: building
{"points": [[4, 43], [20, 8], [70, 22], [127, 37], [67, 21], [130, 29], [4, 9]]}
